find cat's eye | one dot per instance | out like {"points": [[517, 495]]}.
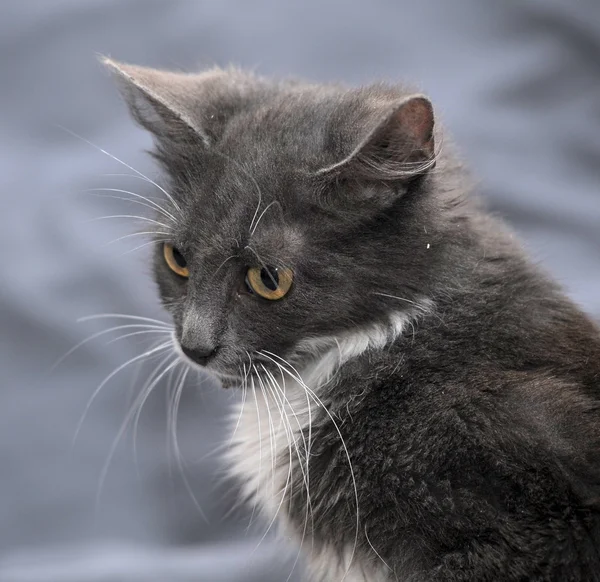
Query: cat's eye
{"points": [[175, 260], [269, 282]]}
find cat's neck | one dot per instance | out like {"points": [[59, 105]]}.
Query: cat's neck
{"points": [[271, 427]]}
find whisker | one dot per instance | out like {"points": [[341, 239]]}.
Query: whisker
{"points": [[273, 446], [150, 232], [178, 456], [93, 337], [150, 203], [287, 429], [135, 178], [143, 176], [122, 337], [262, 264], [259, 447], [377, 553], [162, 346], [223, 263], [132, 411], [244, 393], [305, 475], [123, 198], [261, 215], [152, 242], [296, 376], [171, 395], [123, 316], [156, 375], [307, 442], [130, 216], [256, 211]]}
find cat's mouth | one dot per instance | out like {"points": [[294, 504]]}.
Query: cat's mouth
{"points": [[256, 369]]}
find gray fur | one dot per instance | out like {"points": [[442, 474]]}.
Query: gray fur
{"points": [[474, 432]]}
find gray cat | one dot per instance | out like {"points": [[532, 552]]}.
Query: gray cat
{"points": [[422, 402]]}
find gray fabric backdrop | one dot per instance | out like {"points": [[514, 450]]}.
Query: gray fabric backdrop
{"points": [[517, 84]]}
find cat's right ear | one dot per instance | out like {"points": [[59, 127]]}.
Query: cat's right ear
{"points": [[160, 101]]}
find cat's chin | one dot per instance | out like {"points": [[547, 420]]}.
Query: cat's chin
{"points": [[226, 380]]}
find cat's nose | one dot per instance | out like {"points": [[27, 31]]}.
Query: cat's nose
{"points": [[201, 355]]}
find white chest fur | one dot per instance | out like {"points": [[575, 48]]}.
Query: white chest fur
{"points": [[272, 440], [267, 453]]}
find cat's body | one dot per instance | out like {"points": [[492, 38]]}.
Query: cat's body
{"points": [[421, 402], [500, 483]]}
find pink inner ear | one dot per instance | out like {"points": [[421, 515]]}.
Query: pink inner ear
{"points": [[416, 119]]}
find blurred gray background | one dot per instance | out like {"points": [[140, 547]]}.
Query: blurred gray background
{"points": [[517, 85]]}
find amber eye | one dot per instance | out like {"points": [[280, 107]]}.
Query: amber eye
{"points": [[269, 282], [175, 260]]}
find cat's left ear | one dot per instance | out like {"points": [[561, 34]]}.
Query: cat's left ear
{"points": [[397, 146], [160, 101]]}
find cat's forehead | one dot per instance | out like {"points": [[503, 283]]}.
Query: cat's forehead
{"points": [[240, 213], [251, 185], [285, 131]]}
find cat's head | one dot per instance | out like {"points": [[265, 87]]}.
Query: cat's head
{"points": [[297, 215]]}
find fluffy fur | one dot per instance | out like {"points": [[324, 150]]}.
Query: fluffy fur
{"points": [[424, 404]]}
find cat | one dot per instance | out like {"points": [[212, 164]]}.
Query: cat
{"points": [[422, 402]]}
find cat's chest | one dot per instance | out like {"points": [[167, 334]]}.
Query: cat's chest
{"points": [[271, 443], [268, 447]]}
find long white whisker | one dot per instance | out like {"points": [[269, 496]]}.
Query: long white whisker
{"points": [[259, 447], [123, 198], [150, 203], [132, 411], [131, 389], [378, 554], [162, 346], [130, 216], [287, 430], [306, 442], [223, 263], [152, 242], [143, 178], [153, 379], [111, 156], [147, 331], [170, 394], [96, 335], [256, 255], [305, 474], [244, 394], [272, 444], [281, 390], [139, 233], [301, 382], [178, 456], [261, 215], [256, 211], [123, 316]]}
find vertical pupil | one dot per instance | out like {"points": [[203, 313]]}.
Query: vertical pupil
{"points": [[179, 259], [269, 278]]}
